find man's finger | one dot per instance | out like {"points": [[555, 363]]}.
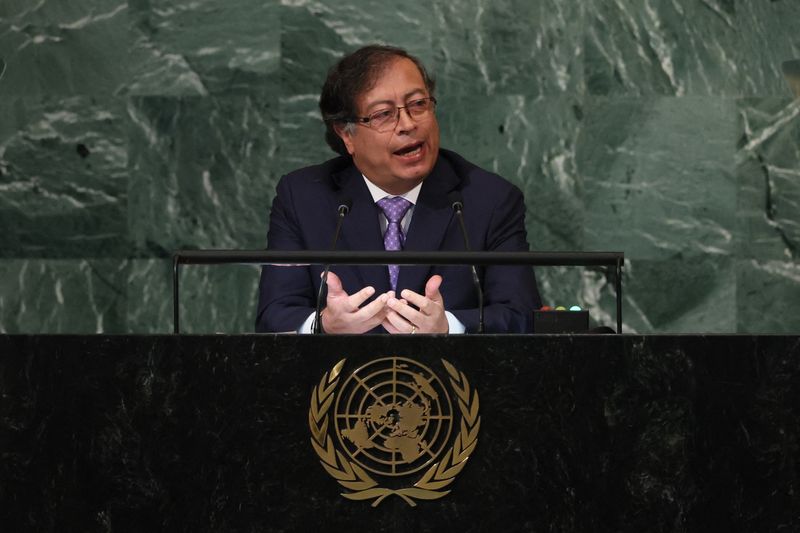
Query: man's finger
{"points": [[432, 289], [360, 297], [414, 298], [372, 309], [406, 311], [387, 325], [400, 324], [335, 286]]}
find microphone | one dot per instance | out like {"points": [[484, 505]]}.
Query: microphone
{"points": [[345, 204], [457, 203]]}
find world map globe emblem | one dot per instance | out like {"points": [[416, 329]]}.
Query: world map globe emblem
{"points": [[393, 416]]}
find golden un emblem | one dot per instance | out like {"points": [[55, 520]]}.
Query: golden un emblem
{"points": [[393, 419]]}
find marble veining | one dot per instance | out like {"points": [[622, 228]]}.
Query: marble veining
{"points": [[130, 129]]}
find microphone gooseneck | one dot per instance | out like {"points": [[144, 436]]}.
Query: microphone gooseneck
{"points": [[457, 203], [344, 207]]}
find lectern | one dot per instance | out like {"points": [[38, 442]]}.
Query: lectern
{"points": [[415, 433]]}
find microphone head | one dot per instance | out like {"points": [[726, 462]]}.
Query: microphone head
{"points": [[456, 200], [345, 203]]}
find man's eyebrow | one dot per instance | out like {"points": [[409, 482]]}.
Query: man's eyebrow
{"points": [[391, 102]]}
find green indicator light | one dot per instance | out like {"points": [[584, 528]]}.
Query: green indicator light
{"points": [[575, 308]]}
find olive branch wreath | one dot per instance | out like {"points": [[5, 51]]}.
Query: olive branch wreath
{"points": [[354, 478]]}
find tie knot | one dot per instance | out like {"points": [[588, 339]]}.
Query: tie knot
{"points": [[394, 208]]}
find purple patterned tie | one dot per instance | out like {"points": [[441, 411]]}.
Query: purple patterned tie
{"points": [[394, 209]]}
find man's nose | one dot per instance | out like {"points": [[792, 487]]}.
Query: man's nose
{"points": [[404, 120]]}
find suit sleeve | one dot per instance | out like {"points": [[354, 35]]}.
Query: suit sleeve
{"points": [[510, 292], [286, 293]]}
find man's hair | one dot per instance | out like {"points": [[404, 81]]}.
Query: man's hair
{"points": [[351, 77]]}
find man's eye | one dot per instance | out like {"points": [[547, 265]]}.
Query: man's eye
{"points": [[418, 103], [381, 115]]}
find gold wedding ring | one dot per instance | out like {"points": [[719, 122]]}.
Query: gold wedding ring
{"points": [[413, 329]]}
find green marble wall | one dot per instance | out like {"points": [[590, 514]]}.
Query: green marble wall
{"points": [[663, 129]]}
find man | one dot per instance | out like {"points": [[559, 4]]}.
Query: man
{"points": [[378, 105]]}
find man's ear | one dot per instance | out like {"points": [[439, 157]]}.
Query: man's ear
{"points": [[344, 133]]}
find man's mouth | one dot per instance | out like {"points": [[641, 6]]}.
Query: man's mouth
{"points": [[410, 150]]}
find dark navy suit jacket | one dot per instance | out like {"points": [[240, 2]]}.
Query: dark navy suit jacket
{"points": [[304, 214]]}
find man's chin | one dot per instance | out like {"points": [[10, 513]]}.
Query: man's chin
{"points": [[415, 171], [414, 176]]}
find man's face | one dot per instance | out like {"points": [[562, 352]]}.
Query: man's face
{"points": [[399, 159]]}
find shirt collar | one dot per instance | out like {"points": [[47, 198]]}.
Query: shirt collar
{"points": [[378, 193]]}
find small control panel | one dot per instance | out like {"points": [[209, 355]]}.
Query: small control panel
{"points": [[559, 319]]}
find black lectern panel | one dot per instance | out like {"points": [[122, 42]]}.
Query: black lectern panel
{"points": [[567, 433]]}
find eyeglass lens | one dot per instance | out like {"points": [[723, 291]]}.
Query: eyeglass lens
{"points": [[387, 119]]}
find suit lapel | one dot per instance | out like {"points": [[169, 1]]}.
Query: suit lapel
{"points": [[360, 230], [429, 223]]}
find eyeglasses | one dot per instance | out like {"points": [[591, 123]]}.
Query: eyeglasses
{"points": [[385, 120]]}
